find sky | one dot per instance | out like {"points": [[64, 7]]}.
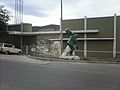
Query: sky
{"points": [[45, 12]]}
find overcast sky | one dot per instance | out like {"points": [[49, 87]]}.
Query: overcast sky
{"points": [[44, 12]]}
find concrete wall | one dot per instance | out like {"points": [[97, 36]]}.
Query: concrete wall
{"points": [[26, 27], [105, 25], [48, 36], [118, 36]]}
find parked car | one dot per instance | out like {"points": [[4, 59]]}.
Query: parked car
{"points": [[9, 48]]}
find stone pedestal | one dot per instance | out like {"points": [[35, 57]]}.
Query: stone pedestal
{"points": [[66, 54], [70, 57]]}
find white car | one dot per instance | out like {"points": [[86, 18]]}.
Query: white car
{"points": [[9, 48]]}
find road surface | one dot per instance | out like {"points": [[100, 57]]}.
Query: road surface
{"points": [[22, 73]]}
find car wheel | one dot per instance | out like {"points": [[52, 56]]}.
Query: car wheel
{"points": [[7, 52], [18, 53]]}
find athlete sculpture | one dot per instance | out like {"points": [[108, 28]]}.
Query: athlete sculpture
{"points": [[71, 45]]}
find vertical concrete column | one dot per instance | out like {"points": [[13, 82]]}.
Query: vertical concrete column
{"points": [[21, 42], [21, 37], [85, 36], [115, 37], [26, 49]]}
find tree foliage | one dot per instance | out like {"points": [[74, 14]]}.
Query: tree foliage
{"points": [[4, 14], [4, 18]]}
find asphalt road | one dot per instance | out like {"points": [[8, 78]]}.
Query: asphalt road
{"points": [[22, 73]]}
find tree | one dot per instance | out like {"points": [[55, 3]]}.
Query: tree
{"points": [[4, 18], [4, 14]]}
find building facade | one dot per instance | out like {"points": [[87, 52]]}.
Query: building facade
{"points": [[98, 37]]}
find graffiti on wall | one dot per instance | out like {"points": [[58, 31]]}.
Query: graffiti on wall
{"points": [[46, 46]]}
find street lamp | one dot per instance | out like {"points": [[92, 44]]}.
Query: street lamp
{"points": [[61, 31]]}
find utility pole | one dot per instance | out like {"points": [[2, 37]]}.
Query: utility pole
{"points": [[21, 21], [61, 31]]}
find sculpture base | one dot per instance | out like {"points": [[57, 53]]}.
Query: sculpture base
{"points": [[70, 57]]}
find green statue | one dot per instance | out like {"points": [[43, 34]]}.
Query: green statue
{"points": [[71, 43]]}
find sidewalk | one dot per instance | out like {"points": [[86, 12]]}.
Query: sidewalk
{"points": [[104, 61]]}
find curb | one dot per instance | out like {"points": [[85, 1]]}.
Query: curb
{"points": [[75, 61]]}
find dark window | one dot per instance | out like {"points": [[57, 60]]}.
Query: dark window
{"points": [[1, 44], [7, 45]]}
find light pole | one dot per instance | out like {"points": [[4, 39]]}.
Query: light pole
{"points": [[21, 21], [61, 31]]}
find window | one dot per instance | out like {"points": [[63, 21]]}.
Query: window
{"points": [[7, 45], [1, 44]]}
